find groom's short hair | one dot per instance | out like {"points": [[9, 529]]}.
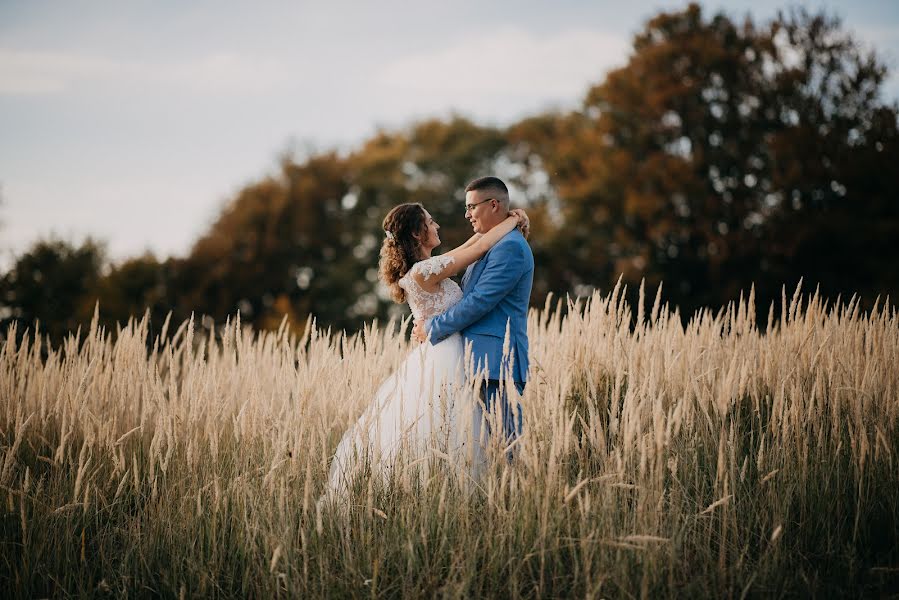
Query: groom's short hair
{"points": [[493, 185]]}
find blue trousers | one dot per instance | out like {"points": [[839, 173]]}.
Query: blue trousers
{"points": [[494, 402]]}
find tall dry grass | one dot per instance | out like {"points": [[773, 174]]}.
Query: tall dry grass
{"points": [[719, 459]]}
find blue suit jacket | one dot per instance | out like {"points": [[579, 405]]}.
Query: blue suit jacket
{"points": [[496, 291]]}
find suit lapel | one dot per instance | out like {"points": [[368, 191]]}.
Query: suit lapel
{"points": [[472, 273], [467, 276]]}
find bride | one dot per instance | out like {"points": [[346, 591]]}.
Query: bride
{"points": [[419, 407]]}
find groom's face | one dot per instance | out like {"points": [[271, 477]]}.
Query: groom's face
{"points": [[482, 214]]}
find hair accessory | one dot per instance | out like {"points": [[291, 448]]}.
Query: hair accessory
{"points": [[389, 236]]}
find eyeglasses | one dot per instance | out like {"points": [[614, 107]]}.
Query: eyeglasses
{"points": [[471, 207]]}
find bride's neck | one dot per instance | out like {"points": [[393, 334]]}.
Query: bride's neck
{"points": [[425, 254]]}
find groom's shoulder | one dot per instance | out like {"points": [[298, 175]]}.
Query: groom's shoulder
{"points": [[513, 237], [513, 243], [509, 241], [517, 238]]}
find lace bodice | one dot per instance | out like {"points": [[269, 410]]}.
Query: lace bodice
{"points": [[425, 304]]}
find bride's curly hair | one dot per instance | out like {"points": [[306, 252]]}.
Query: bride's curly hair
{"points": [[400, 249]]}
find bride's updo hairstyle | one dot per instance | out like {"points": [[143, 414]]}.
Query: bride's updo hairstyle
{"points": [[400, 249]]}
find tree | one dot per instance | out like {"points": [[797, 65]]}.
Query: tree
{"points": [[722, 155], [264, 253], [725, 154], [306, 242], [51, 284], [132, 287]]}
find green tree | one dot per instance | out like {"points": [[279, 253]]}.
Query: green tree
{"points": [[132, 287], [52, 285]]}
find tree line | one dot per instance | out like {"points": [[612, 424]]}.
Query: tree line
{"points": [[723, 155]]}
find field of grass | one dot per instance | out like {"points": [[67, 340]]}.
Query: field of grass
{"points": [[721, 459]]}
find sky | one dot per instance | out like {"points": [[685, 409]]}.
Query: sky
{"points": [[135, 122]]}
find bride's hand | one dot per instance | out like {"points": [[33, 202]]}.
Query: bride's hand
{"points": [[524, 223]]}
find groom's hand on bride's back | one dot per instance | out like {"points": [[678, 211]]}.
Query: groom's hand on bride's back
{"points": [[418, 332]]}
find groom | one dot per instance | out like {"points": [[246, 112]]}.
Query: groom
{"points": [[496, 291]]}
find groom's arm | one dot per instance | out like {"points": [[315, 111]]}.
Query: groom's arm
{"points": [[505, 266]]}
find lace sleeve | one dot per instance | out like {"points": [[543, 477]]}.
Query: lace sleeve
{"points": [[433, 266]]}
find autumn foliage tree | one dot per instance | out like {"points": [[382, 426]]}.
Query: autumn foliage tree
{"points": [[305, 241], [724, 155]]}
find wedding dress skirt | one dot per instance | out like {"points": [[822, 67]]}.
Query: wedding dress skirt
{"points": [[422, 412]]}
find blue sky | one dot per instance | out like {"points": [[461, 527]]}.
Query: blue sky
{"points": [[135, 121]]}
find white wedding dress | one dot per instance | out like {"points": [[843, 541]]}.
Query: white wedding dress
{"points": [[420, 408]]}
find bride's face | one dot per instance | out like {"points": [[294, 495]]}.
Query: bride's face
{"points": [[431, 239]]}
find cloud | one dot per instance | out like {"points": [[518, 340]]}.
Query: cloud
{"points": [[229, 72], [508, 65], [48, 72], [28, 72]]}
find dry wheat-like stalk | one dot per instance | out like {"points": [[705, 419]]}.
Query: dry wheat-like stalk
{"points": [[712, 440]]}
